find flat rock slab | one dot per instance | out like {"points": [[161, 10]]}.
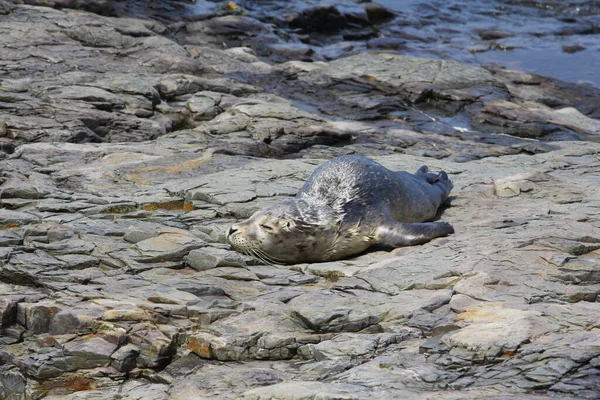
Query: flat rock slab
{"points": [[10, 219], [494, 329], [327, 311], [310, 390]]}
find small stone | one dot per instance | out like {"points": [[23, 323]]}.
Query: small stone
{"points": [[127, 313], [492, 34], [8, 311], [89, 352], [570, 49], [377, 13], [135, 235], [37, 316], [124, 359], [210, 257], [78, 261], [167, 247], [8, 238], [460, 303]]}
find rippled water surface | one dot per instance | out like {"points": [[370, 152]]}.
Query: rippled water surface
{"points": [[555, 38]]}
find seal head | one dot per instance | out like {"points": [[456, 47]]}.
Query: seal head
{"points": [[291, 230]]}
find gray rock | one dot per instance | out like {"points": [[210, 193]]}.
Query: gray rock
{"points": [[9, 238], [78, 261], [310, 390], [124, 359], [488, 337], [209, 258], [362, 346], [178, 85], [13, 383], [167, 247], [10, 218], [156, 346], [89, 352], [135, 235], [326, 311]]}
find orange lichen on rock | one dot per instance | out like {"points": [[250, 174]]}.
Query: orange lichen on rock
{"points": [[68, 385], [199, 347], [175, 205], [10, 225], [475, 313]]}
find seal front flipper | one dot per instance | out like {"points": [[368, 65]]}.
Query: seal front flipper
{"points": [[397, 234]]}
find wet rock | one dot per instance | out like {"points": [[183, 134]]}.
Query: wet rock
{"points": [[232, 25], [320, 19], [386, 44], [377, 13], [573, 49], [492, 34], [534, 120], [101, 7]]}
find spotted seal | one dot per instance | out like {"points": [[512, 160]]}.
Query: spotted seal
{"points": [[347, 205]]}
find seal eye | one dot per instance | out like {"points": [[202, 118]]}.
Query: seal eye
{"points": [[288, 225], [267, 228]]}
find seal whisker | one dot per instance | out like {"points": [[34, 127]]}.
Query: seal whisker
{"points": [[270, 259], [254, 254]]}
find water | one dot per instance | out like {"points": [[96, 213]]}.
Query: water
{"points": [[539, 34], [556, 38]]}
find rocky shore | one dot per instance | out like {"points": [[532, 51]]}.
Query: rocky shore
{"points": [[128, 146]]}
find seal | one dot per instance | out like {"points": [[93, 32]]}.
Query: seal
{"points": [[347, 205]]}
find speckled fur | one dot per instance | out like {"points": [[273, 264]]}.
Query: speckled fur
{"points": [[348, 204]]}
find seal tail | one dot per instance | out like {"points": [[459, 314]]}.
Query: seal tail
{"points": [[429, 177]]}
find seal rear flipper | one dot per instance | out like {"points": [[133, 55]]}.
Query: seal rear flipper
{"points": [[398, 234]]}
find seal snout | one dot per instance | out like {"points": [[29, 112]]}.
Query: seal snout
{"points": [[231, 231]]}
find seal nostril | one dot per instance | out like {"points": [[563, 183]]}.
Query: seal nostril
{"points": [[231, 231]]}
